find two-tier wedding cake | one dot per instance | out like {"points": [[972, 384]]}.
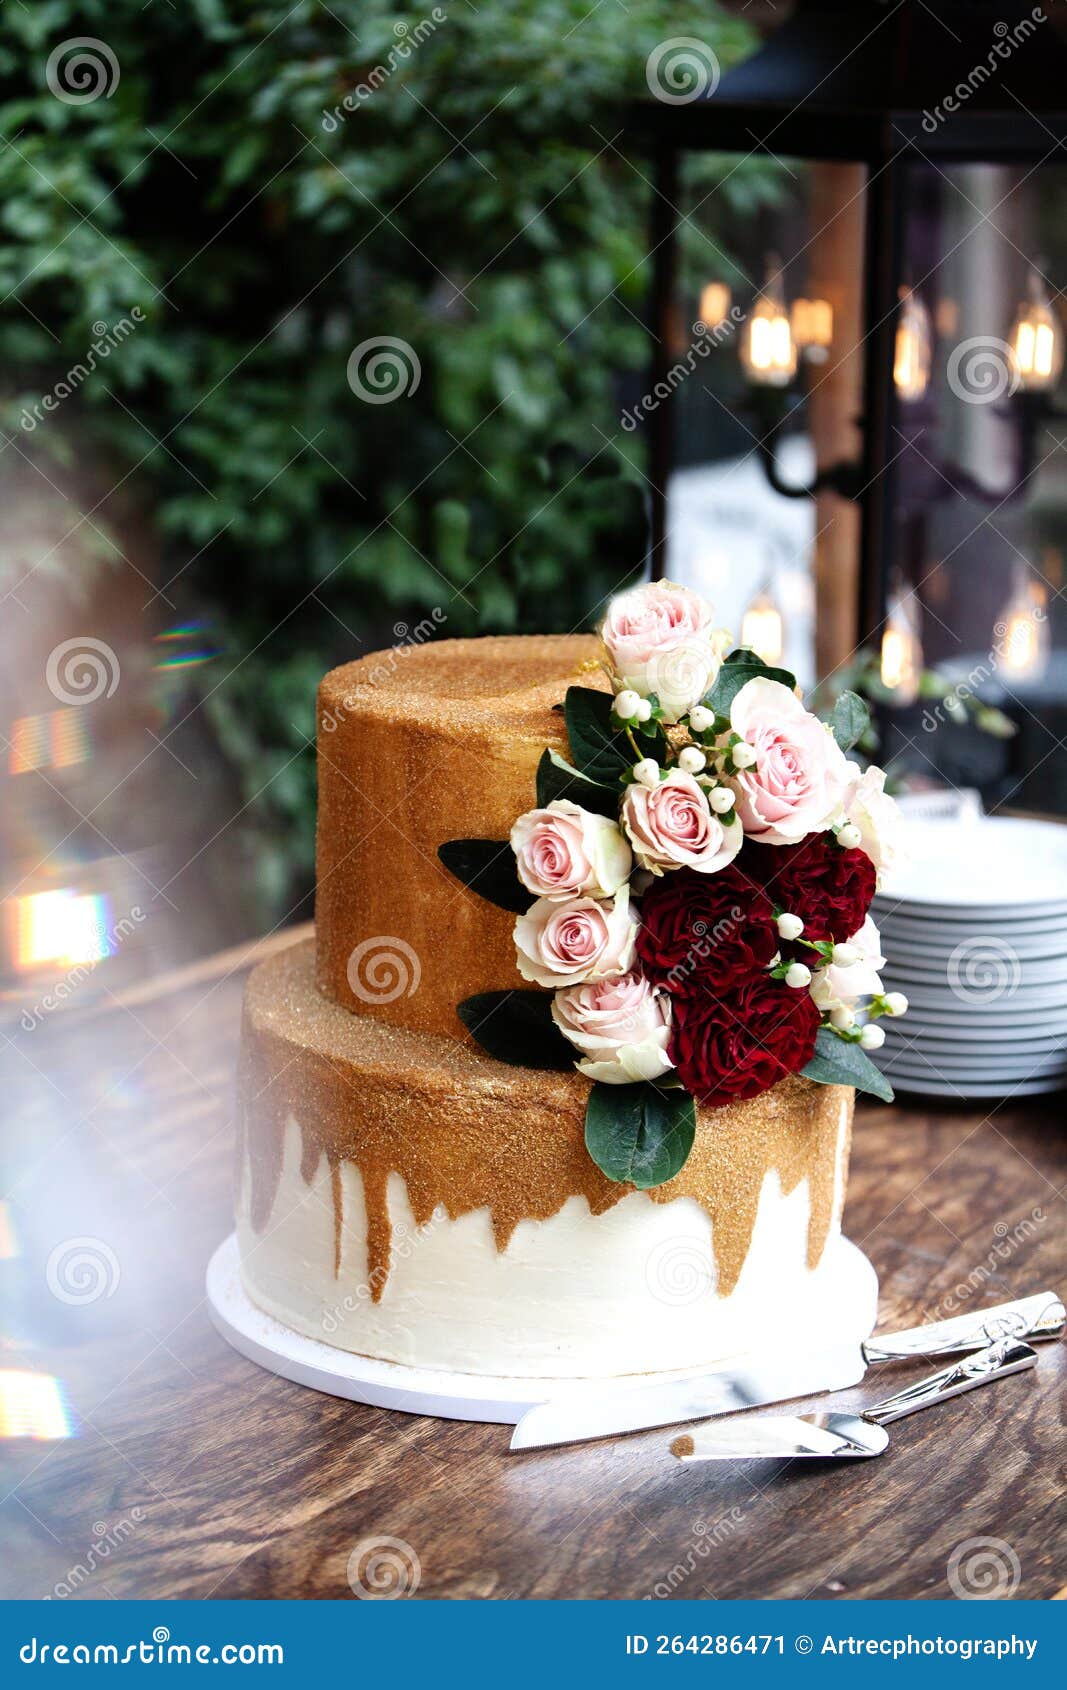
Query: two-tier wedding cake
{"points": [[563, 1087]]}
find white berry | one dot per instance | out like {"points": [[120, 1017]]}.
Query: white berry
{"points": [[844, 955], [644, 709], [798, 974], [691, 759], [842, 1019], [790, 926], [743, 755], [627, 703], [872, 1037], [700, 718], [721, 800], [646, 772], [849, 836], [895, 1003]]}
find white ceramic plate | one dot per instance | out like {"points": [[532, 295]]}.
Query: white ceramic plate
{"points": [[996, 862], [964, 1093]]}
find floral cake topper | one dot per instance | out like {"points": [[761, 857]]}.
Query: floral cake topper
{"points": [[692, 889]]}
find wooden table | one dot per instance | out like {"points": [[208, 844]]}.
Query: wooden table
{"points": [[196, 1475]]}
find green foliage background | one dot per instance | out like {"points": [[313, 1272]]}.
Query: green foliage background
{"points": [[481, 205]]}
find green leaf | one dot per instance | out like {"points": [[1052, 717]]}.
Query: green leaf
{"points": [[487, 866], [839, 1062], [517, 1027], [556, 779], [638, 1134], [740, 667], [850, 720], [599, 751]]}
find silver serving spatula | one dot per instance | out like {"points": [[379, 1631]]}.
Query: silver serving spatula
{"points": [[605, 1410], [793, 1437]]}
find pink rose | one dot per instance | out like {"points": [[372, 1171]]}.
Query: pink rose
{"points": [[671, 826], [621, 1026], [567, 852], [799, 779], [659, 639], [869, 807], [562, 944]]}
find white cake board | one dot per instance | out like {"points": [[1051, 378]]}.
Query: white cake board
{"points": [[843, 1308]]}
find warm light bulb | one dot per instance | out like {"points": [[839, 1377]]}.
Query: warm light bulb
{"points": [[762, 630], [813, 327], [911, 356], [902, 653], [1022, 630], [768, 350], [714, 304], [1036, 340]]}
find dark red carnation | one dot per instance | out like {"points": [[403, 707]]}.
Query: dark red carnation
{"points": [[738, 1045], [705, 932], [828, 888]]}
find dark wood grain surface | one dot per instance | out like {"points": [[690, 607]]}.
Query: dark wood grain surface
{"points": [[195, 1474]]}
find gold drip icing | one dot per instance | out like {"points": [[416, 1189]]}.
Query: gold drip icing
{"points": [[465, 1132]]}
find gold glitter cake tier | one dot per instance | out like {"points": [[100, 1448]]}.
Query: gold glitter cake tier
{"points": [[467, 1133], [415, 747]]}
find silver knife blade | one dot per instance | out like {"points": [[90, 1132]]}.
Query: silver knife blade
{"points": [[747, 1384], [784, 1437]]}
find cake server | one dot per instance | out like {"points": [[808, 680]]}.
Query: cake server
{"points": [[850, 1437], [776, 1377]]}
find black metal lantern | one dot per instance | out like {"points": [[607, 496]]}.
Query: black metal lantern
{"points": [[875, 365]]}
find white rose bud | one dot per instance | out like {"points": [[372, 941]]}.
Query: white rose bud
{"points": [[849, 837], [701, 718], [627, 704], [644, 710], [790, 926], [798, 974], [691, 759], [743, 755], [721, 799], [646, 772], [895, 1003], [843, 956], [872, 1037], [842, 1019]]}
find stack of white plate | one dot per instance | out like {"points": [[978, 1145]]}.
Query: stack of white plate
{"points": [[974, 931]]}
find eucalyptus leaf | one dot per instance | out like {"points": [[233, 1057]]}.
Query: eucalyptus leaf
{"points": [[850, 720], [639, 1134], [840, 1062], [557, 779], [517, 1027], [487, 866]]}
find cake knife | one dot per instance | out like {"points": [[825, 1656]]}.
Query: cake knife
{"points": [[777, 1377], [851, 1437]]}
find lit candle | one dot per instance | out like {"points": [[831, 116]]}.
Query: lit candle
{"points": [[813, 327], [1036, 339], [1022, 630], [762, 630], [902, 652], [714, 304], [768, 350], [911, 358]]}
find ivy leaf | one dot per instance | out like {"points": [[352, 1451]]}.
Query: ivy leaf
{"points": [[487, 866], [638, 1134], [599, 751], [839, 1062], [850, 720], [740, 667], [557, 779], [517, 1027]]}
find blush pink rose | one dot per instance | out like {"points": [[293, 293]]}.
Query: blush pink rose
{"points": [[562, 944], [621, 1026], [671, 826], [869, 807], [659, 639], [798, 783], [564, 851]]}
